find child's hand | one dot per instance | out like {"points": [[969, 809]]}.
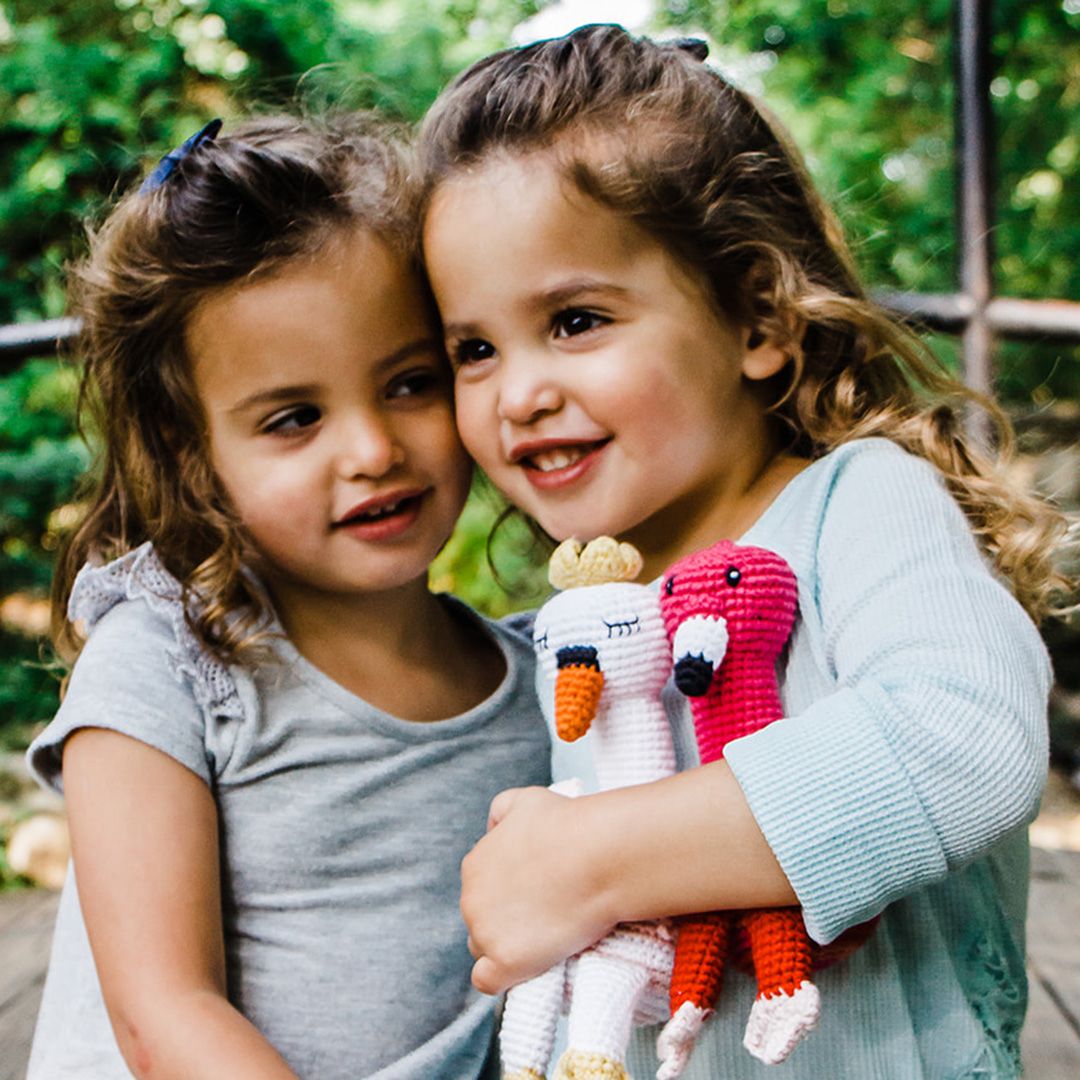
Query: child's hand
{"points": [[531, 890], [553, 875]]}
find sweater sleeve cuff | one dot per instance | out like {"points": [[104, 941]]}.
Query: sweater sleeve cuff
{"points": [[838, 811]]}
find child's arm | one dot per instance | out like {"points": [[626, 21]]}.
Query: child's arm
{"points": [[567, 870], [145, 847], [929, 749]]}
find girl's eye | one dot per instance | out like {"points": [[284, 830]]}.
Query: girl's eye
{"points": [[413, 383], [292, 420], [575, 321], [471, 351]]}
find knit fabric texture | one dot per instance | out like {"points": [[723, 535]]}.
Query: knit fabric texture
{"points": [[910, 757]]}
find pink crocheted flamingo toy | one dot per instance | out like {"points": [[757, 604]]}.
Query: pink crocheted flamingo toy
{"points": [[729, 611]]}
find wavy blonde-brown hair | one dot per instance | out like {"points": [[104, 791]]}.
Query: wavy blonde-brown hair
{"points": [[647, 130], [271, 190]]}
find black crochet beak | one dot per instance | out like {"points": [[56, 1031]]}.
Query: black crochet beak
{"points": [[693, 675]]}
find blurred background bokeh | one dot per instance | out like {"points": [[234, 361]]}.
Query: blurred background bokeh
{"points": [[91, 91]]}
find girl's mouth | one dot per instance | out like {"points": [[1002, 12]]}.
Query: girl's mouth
{"points": [[558, 466], [383, 520]]}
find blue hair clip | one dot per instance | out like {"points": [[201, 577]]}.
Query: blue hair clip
{"points": [[167, 165]]}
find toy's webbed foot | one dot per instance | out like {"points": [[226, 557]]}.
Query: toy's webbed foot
{"points": [[676, 1042], [777, 1023], [588, 1065]]}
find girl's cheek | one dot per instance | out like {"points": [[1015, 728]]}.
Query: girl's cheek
{"points": [[471, 423]]}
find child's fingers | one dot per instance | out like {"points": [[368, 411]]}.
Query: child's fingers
{"points": [[485, 977], [500, 806], [506, 800]]}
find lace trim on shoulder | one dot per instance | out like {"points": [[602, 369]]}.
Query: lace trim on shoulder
{"points": [[140, 575]]}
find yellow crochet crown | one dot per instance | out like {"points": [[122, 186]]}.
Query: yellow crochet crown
{"points": [[600, 561]]}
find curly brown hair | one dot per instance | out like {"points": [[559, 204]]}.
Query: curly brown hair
{"points": [[273, 189], [709, 172]]}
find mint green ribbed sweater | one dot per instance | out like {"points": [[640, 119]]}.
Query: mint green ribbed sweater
{"points": [[912, 757]]}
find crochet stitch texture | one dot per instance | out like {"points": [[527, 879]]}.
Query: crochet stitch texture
{"points": [[729, 611], [602, 643], [720, 623]]}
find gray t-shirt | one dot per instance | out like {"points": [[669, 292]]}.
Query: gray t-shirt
{"points": [[342, 833]]}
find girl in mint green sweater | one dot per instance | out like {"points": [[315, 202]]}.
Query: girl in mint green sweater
{"points": [[657, 334]]}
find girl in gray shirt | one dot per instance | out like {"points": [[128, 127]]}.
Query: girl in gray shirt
{"points": [[276, 744]]}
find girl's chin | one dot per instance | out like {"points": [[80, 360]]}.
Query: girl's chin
{"points": [[561, 530]]}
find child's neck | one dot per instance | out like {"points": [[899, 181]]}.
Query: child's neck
{"points": [[403, 651], [725, 513]]}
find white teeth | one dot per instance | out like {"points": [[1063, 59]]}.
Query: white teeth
{"points": [[381, 511], [550, 460]]}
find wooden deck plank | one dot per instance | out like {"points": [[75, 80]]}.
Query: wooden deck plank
{"points": [[16, 1032], [24, 943], [1049, 1045], [1054, 930], [17, 907], [26, 925]]}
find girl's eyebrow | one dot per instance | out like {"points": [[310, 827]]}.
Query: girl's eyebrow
{"points": [[566, 291], [292, 391], [556, 296], [274, 394]]}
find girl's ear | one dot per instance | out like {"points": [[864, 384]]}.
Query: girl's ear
{"points": [[763, 356]]}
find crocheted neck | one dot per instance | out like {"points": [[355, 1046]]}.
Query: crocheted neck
{"points": [[633, 742], [743, 698]]}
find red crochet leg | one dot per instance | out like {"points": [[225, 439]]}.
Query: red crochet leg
{"points": [[700, 954], [780, 947], [787, 1003]]}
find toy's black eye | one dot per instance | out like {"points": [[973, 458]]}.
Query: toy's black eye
{"points": [[669, 586], [733, 576]]}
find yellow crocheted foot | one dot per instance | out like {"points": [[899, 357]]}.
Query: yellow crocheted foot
{"points": [[524, 1074], [584, 1065]]}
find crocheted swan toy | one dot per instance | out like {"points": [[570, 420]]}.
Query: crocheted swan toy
{"points": [[602, 643]]}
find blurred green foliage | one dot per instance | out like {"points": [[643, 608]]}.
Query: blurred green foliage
{"points": [[92, 91], [865, 87], [41, 461]]}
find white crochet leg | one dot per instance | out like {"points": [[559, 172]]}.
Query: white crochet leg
{"points": [[527, 1036], [778, 1023], [604, 999], [676, 1042]]}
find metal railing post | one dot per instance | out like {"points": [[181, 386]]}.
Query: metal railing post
{"points": [[974, 133]]}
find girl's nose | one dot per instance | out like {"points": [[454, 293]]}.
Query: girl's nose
{"points": [[368, 447], [528, 390]]}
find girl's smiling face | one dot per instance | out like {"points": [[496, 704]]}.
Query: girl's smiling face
{"points": [[596, 382], [328, 408]]}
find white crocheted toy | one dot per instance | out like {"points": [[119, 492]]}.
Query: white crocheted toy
{"points": [[602, 643]]}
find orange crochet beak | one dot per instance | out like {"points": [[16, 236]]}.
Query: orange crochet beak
{"points": [[578, 686]]}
